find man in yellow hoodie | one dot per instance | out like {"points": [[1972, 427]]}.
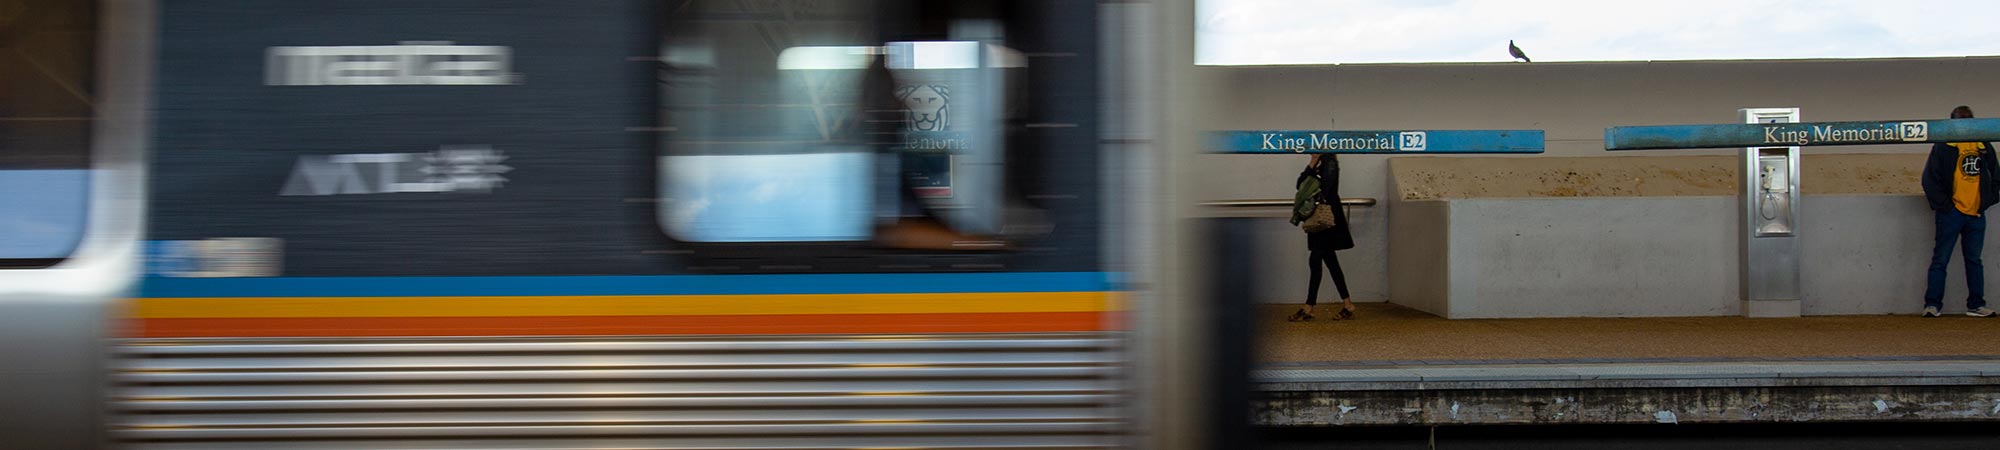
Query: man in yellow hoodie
{"points": [[1958, 182]]}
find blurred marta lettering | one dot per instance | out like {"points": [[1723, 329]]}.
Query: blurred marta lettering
{"points": [[450, 169], [410, 63]]}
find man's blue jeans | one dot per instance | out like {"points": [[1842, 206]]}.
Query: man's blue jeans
{"points": [[1970, 232]]}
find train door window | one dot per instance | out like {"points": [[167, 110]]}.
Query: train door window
{"points": [[955, 95], [770, 139], [47, 73], [759, 99]]}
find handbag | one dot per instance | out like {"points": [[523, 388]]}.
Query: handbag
{"points": [[1305, 200], [1322, 219]]}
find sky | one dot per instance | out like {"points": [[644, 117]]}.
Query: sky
{"points": [[1261, 32], [41, 212]]}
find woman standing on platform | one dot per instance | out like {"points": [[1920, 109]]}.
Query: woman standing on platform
{"points": [[1320, 246]]}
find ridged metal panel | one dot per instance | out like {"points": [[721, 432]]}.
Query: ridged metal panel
{"points": [[946, 391]]}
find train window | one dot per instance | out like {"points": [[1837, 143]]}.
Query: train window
{"points": [[47, 69], [764, 198], [760, 100], [771, 136]]}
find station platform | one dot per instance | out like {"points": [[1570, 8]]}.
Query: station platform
{"points": [[1387, 333], [1396, 366]]}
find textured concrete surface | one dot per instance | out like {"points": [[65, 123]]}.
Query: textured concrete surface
{"points": [[1335, 376], [1642, 176], [1866, 254], [1592, 257], [1566, 257], [1854, 200], [1648, 236], [1281, 272], [1398, 366], [1420, 267], [1387, 332], [1629, 405]]}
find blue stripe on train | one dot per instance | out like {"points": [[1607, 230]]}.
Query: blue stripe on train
{"points": [[920, 283]]}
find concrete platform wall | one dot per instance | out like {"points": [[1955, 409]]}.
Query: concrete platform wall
{"points": [[1592, 257], [1654, 256], [1283, 272], [1566, 257], [1867, 254], [1419, 270]]}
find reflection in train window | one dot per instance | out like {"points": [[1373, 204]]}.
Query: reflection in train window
{"points": [[772, 137], [47, 68], [765, 198], [760, 100]]}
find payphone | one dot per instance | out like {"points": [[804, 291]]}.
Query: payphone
{"points": [[1770, 245], [1774, 192]]}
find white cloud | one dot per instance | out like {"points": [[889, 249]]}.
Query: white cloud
{"points": [[684, 213], [766, 192], [768, 197], [1232, 32]]}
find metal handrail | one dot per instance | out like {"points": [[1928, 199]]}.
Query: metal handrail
{"points": [[1279, 203]]}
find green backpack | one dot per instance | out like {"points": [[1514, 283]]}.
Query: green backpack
{"points": [[1305, 200]]}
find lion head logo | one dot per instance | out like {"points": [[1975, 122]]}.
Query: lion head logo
{"points": [[929, 105]]}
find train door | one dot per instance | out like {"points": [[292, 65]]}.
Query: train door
{"points": [[73, 87]]}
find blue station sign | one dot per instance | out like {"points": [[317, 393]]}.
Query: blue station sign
{"points": [[1365, 142], [1800, 134]]}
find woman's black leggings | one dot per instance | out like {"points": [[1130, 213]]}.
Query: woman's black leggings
{"points": [[1332, 262]]}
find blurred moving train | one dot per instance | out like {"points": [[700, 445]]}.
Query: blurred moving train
{"points": [[541, 224]]}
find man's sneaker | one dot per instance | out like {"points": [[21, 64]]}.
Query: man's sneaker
{"points": [[1930, 311], [1983, 312]]}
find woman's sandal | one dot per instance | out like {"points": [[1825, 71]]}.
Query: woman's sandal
{"points": [[1300, 316], [1345, 314]]}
